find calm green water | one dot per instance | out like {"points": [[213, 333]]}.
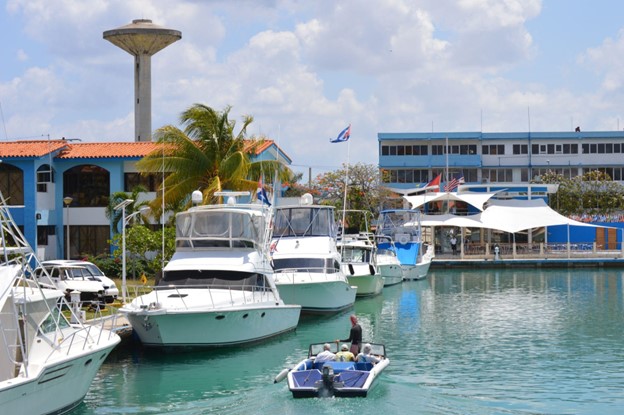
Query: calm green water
{"points": [[476, 342]]}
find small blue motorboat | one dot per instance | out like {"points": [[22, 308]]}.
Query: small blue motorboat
{"points": [[310, 379]]}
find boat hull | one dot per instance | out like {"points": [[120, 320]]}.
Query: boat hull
{"points": [[347, 379], [214, 327], [367, 285], [392, 274], [315, 295], [59, 388], [416, 272]]}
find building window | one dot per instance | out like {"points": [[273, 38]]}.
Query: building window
{"points": [[12, 184], [385, 150], [88, 185], [497, 175], [43, 234], [150, 181], [493, 149], [89, 240], [520, 149], [45, 175]]}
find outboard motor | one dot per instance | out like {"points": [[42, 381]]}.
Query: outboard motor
{"points": [[328, 377]]}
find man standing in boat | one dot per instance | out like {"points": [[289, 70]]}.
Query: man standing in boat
{"points": [[355, 336]]}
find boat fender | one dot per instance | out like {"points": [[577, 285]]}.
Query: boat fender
{"points": [[351, 269], [371, 269], [281, 375]]}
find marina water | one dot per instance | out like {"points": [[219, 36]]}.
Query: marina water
{"points": [[460, 342]]}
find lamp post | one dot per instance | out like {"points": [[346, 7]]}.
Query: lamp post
{"points": [[67, 201], [122, 206]]}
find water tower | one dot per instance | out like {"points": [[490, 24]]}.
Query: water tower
{"points": [[142, 39]]}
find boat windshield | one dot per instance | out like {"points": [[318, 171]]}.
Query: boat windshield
{"points": [[304, 221], [391, 223], [317, 265], [219, 228], [236, 280], [356, 254]]}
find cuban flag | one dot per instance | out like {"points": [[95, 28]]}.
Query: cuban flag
{"points": [[343, 136], [262, 195]]}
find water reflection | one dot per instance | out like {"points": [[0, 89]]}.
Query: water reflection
{"points": [[460, 342]]}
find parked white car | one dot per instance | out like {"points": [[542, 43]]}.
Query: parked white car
{"points": [[83, 276]]}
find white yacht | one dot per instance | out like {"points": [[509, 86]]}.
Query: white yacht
{"points": [[306, 260], [218, 287], [358, 262], [403, 233], [387, 262], [47, 364]]}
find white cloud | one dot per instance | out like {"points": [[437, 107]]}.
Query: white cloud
{"points": [[302, 69]]}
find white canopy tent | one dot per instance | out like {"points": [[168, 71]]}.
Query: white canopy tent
{"points": [[506, 215], [473, 198]]}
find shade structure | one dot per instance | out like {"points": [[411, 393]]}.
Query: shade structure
{"points": [[505, 215], [477, 200]]}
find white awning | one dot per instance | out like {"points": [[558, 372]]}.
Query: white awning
{"points": [[519, 215], [506, 215], [472, 198]]}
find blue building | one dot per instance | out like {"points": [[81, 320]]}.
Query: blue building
{"points": [[411, 160], [62, 187], [511, 163]]}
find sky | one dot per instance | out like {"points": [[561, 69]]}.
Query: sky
{"points": [[307, 69]]}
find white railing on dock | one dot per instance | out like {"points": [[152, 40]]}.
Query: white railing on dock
{"points": [[534, 250]]}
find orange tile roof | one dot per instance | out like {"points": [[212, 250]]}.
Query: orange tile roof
{"points": [[108, 150], [35, 148], [73, 150]]}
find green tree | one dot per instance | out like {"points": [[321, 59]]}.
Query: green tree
{"points": [[118, 197], [364, 191], [592, 193], [144, 251], [208, 155]]}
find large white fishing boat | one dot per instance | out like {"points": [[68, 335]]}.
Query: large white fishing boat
{"points": [[306, 260], [47, 364], [403, 234], [218, 288]]}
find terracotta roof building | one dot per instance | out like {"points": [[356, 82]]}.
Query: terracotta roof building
{"points": [[36, 176]]}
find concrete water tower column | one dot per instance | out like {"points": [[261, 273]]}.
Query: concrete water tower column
{"points": [[142, 39]]}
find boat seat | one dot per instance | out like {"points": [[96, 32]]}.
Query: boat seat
{"points": [[337, 366], [364, 366]]}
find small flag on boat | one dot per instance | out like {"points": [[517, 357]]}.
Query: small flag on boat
{"points": [[452, 185], [262, 194], [343, 136]]}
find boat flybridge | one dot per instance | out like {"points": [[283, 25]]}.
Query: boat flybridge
{"points": [[218, 287], [399, 230], [306, 259], [359, 257]]}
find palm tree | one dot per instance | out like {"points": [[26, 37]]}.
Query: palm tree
{"points": [[118, 197], [207, 156]]}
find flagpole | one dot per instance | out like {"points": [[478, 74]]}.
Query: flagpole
{"points": [[446, 151], [344, 203]]}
